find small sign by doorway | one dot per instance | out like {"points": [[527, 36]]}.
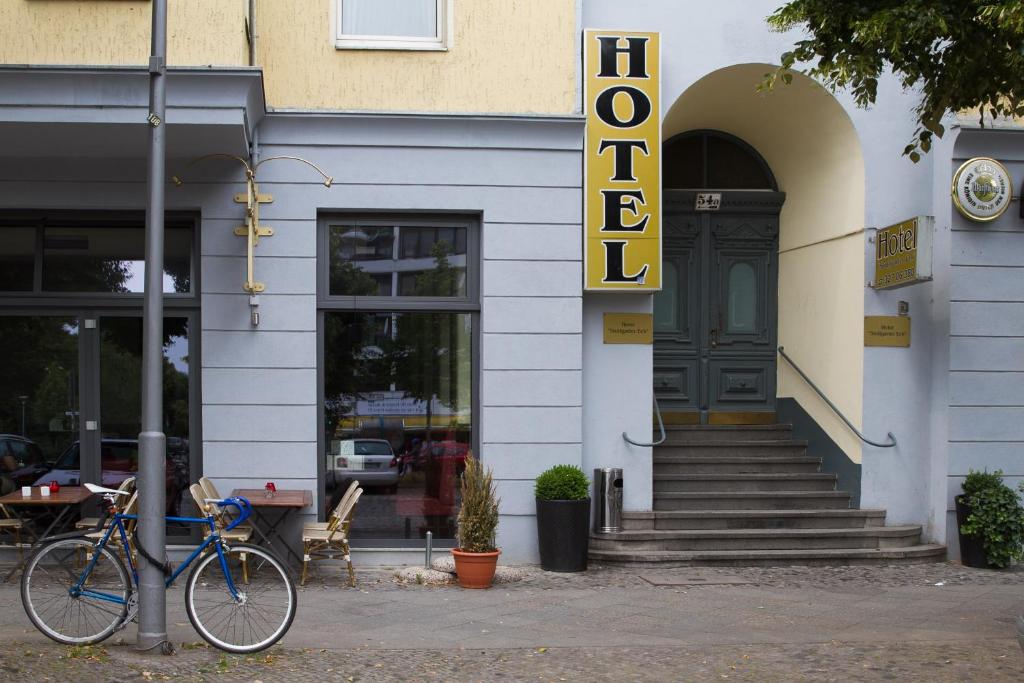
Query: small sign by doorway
{"points": [[887, 330], [628, 328], [708, 201]]}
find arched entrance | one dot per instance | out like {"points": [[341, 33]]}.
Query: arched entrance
{"points": [[716, 318]]}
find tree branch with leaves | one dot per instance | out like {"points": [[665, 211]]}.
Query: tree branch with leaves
{"points": [[959, 55]]}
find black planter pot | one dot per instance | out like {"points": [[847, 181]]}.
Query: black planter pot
{"points": [[563, 532], [972, 550]]}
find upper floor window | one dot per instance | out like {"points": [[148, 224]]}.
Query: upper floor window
{"points": [[392, 24]]}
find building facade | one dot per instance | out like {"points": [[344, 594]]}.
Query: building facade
{"points": [[418, 298]]}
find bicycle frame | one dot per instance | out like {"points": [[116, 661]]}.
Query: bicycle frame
{"points": [[214, 539]]}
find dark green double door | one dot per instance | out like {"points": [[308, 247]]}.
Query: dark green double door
{"points": [[716, 318]]}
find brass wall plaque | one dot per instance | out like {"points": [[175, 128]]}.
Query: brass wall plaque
{"points": [[887, 330], [628, 328]]}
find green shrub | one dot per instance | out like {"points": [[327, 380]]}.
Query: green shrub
{"points": [[562, 482], [478, 516], [996, 517]]}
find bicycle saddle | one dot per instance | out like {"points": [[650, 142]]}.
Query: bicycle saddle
{"points": [[93, 488]]}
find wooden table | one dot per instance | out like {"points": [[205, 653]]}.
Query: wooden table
{"points": [[65, 500], [285, 501]]}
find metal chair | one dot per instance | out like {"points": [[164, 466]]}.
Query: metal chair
{"points": [[322, 544]]}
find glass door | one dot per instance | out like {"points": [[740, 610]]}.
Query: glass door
{"points": [[39, 396], [119, 366]]}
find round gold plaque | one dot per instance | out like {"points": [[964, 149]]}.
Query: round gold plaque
{"points": [[981, 189]]}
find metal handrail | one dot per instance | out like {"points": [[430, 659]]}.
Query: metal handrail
{"points": [[661, 426], [832, 405]]}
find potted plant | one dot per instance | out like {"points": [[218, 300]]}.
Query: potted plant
{"points": [[990, 520], [476, 557], [563, 518]]}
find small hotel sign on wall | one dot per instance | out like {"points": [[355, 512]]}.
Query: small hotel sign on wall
{"points": [[622, 162], [903, 253]]}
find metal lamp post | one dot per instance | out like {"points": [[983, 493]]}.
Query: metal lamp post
{"points": [[152, 442], [23, 399]]}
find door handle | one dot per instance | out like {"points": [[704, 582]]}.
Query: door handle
{"points": [[714, 338]]}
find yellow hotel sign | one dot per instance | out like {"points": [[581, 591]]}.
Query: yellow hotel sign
{"points": [[622, 161], [903, 253]]}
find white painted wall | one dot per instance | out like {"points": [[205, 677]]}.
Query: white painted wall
{"points": [[617, 398]]}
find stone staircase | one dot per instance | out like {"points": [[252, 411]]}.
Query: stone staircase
{"points": [[751, 495]]}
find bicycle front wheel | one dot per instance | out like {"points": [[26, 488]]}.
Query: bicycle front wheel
{"points": [[75, 616], [261, 613]]}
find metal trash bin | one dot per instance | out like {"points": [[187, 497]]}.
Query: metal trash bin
{"points": [[608, 499]]}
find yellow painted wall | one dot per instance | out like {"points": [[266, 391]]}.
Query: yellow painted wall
{"points": [[812, 148], [505, 56], [106, 32]]}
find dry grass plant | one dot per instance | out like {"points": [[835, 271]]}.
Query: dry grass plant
{"points": [[478, 517]]}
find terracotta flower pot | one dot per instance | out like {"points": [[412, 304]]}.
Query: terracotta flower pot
{"points": [[475, 570]]}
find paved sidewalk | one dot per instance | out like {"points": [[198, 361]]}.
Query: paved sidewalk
{"points": [[931, 623]]}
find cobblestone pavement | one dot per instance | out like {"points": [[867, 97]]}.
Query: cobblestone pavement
{"points": [[730, 636], [990, 662], [599, 577]]}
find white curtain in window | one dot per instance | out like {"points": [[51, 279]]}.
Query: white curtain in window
{"points": [[417, 18]]}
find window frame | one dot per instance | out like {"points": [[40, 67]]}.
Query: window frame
{"points": [[352, 41], [470, 304], [39, 221]]}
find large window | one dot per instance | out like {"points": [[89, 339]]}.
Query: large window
{"points": [[399, 309], [392, 24], [71, 337]]}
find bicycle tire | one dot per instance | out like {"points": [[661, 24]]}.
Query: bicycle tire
{"points": [[256, 622], [46, 592]]}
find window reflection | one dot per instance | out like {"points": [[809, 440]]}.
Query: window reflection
{"points": [[742, 300], [17, 259], [376, 260], [91, 259], [666, 302], [397, 408], [39, 416]]}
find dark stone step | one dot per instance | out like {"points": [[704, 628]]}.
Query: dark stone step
{"points": [[772, 558], [735, 464], [758, 539], [754, 519], [700, 433], [731, 449], [729, 483], [750, 500]]}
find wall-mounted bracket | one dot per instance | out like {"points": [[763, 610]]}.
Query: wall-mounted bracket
{"points": [[261, 231], [252, 231], [243, 198]]}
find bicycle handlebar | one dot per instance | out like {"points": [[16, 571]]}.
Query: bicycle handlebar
{"points": [[243, 506]]}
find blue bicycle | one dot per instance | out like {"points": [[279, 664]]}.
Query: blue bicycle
{"points": [[240, 598]]}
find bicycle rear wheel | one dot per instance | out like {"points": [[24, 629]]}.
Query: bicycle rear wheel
{"points": [[68, 615], [261, 614]]}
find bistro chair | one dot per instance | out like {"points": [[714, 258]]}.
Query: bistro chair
{"points": [[351, 491], [128, 486], [130, 508], [238, 534], [11, 524], [241, 533], [226, 515], [323, 544]]}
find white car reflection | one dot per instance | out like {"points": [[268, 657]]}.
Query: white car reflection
{"points": [[371, 461]]}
